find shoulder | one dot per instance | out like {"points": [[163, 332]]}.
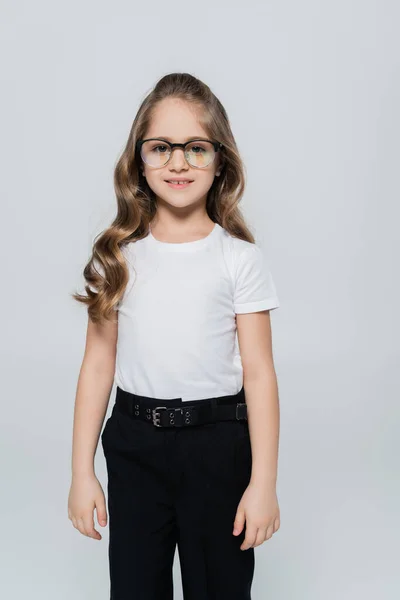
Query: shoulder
{"points": [[241, 251], [236, 244], [254, 287]]}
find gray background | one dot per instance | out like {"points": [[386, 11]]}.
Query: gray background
{"points": [[312, 91]]}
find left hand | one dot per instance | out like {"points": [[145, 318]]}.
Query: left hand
{"points": [[259, 508]]}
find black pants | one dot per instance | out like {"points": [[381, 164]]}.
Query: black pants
{"points": [[171, 487]]}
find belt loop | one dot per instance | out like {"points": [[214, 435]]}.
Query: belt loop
{"points": [[214, 405]]}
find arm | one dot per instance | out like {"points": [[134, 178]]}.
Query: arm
{"points": [[95, 383], [261, 391], [92, 396]]}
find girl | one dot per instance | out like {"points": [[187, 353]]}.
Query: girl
{"points": [[175, 288]]}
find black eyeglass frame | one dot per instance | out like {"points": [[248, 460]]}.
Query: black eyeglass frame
{"points": [[217, 147]]}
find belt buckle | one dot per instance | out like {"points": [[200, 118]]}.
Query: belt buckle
{"points": [[241, 405], [173, 411], [156, 417]]}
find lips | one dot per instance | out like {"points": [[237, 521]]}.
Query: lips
{"points": [[178, 186], [179, 180]]}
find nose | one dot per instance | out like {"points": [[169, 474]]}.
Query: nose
{"points": [[177, 160]]}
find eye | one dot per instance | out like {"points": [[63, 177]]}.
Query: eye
{"points": [[197, 149], [163, 149]]}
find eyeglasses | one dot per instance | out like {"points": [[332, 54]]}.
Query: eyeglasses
{"points": [[156, 152]]}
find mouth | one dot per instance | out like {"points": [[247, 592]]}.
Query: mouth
{"points": [[179, 183]]}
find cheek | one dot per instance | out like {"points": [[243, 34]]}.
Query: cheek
{"points": [[205, 180], [154, 180]]}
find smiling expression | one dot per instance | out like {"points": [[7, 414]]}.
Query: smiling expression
{"points": [[175, 121]]}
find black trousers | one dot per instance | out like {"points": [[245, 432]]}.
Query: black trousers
{"points": [[176, 487]]}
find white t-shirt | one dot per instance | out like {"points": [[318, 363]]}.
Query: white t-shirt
{"points": [[176, 324]]}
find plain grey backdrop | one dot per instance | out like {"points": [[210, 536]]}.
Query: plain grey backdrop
{"points": [[312, 92]]}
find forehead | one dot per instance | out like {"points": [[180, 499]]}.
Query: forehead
{"points": [[176, 120]]}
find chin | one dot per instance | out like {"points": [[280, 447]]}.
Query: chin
{"points": [[177, 200], [182, 203]]}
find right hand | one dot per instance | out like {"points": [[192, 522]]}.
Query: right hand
{"points": [[85, 495]]}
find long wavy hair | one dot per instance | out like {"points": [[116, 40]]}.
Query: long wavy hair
{"points": [[107, 273]]}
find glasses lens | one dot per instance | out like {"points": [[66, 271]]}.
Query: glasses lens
{"points": [[155, 153], [200, 154]]}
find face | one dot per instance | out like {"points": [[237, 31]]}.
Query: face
{"points": [[175, 121]]}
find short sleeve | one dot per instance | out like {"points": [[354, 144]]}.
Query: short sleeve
{"points": [[254, 286]]}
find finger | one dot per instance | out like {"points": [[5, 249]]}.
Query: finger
{"points": [[239, 522], [270, 532], [277, 524], [250, 538], [101, 512], [89, 527], [260, 537], [80, 525]]}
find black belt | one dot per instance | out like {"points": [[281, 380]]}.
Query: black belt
{"points": [[177, 413]]}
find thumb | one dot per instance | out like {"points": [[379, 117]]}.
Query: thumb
{"points": [[101, 512], [239, 522]]}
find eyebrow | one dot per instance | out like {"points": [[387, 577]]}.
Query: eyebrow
{"points": [[193, 137]]}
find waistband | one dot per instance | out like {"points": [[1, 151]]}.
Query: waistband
{"points": [[176, 412]]}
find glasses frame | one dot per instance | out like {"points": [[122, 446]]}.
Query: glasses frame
{"points": [[217, 148]]}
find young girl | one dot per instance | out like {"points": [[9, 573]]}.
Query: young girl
{"points": [[178, 299]]}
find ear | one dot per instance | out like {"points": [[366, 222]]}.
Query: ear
{"points": [[219, 169]]}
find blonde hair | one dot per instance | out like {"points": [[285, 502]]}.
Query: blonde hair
{"points": [[136, 204]]}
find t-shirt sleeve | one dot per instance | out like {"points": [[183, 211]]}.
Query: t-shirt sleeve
{"points": [[254, 286]]}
